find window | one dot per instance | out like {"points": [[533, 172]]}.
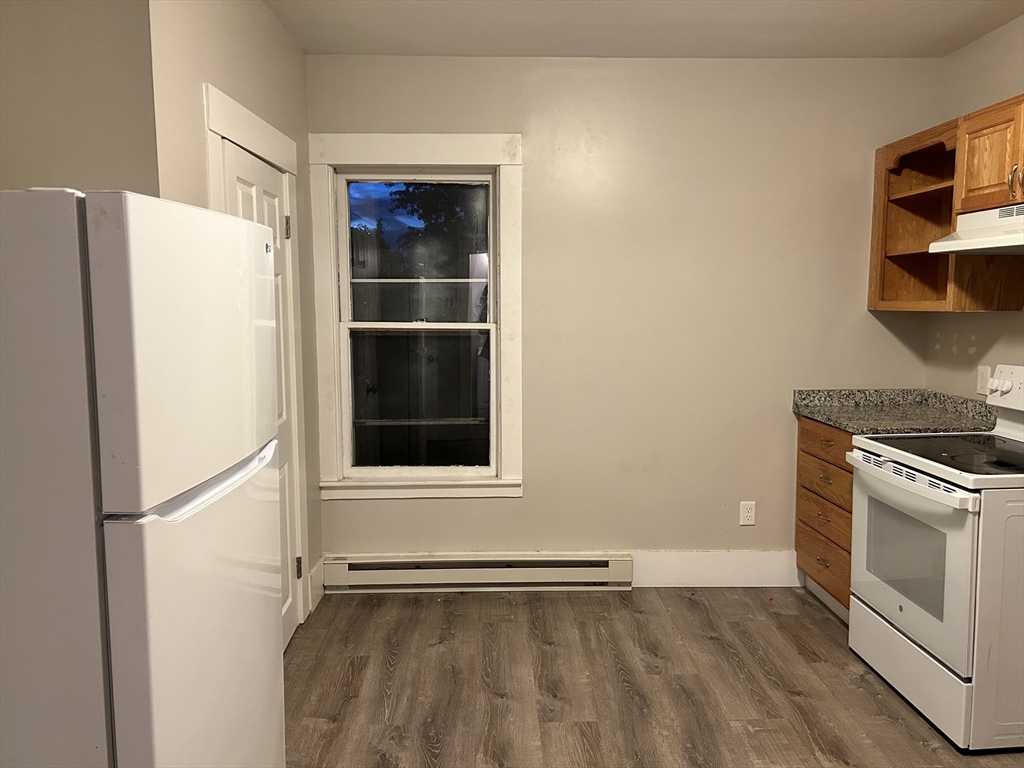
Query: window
{"points": [[417, 266], [420, 369]]}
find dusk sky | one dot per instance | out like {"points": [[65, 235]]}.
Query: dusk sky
{"points": [[369, 200]]}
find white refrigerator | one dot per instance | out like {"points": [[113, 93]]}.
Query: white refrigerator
{"points": [[140, 566]]}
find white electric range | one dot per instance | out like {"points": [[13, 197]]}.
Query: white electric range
{"points": [[937, 570]]}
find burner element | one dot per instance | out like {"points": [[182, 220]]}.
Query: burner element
{"points": [[975, 461]]}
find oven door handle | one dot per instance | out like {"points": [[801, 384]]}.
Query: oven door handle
{"points": [[958, 500]]}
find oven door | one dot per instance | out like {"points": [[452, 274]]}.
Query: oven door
{"points": [[913, 556]]}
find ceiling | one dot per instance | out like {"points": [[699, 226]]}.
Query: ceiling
{"points": [[643, 28]]}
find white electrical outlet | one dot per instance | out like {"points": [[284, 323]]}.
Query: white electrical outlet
{"points": [[984, 374], [747, 512]]}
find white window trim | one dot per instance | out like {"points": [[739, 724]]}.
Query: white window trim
{"points": [[499, 154]]}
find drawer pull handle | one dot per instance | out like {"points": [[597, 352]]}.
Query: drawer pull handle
{"points": [[824, 519], [1009, 180], [822, 563], [824, 480], [825, 443]]}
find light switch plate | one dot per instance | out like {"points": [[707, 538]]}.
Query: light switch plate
{"points": [[984, 374]]}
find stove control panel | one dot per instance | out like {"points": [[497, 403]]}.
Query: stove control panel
{"points": [[1006, 387]]}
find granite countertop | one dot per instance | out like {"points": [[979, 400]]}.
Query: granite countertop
{"points": [[893, 411]]}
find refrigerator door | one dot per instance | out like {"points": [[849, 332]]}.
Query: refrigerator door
{"points": [[194, 596], [184, 337]]}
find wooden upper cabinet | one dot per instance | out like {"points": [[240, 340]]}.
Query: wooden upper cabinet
{"points": [[913, 207], [990, 144], [922, 183]]}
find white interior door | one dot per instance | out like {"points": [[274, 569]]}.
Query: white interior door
{"points": [[257, 191]]}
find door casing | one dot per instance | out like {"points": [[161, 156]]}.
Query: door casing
{"points": [[227, 119]]}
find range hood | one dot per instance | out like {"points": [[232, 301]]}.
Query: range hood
{"points": [[997, 232]]}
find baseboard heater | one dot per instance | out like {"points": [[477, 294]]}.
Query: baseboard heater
{"points": [[486, 572]]}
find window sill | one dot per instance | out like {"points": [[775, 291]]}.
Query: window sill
{"points": [[470, 488]]}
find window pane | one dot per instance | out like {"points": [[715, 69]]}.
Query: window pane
{"points": [[433, 302], [402, 230], [421, 398], [916, 570]]}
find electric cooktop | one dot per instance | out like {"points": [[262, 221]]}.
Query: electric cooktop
{"points": [[976, 454]]}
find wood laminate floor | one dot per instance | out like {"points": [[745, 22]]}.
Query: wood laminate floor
{"points": [[652, 677]]}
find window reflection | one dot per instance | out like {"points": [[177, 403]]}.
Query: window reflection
{"points": [[418, 230], [421, 398]]}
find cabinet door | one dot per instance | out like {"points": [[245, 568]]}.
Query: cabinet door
{"points": [[1020, 153], [988, 147]]}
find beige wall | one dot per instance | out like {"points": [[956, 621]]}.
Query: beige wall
{"points": [[76, 96], [241, 48], [986, 71], [695, 245]]}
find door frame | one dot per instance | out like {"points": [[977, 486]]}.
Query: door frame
{"points": [[227, 119]]}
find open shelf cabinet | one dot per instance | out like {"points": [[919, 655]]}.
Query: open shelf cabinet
{"points": [[913, 207]]}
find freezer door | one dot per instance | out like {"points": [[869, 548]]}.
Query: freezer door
{"points": [[194, 593], [184, 336]]}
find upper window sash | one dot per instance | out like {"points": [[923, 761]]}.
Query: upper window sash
{"points": [[342, 179]]}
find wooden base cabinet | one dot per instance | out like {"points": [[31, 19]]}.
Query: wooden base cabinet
{"points": [[824, 500]]}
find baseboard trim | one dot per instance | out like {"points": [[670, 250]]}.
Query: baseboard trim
{"points": [[316, 583], [714, 568]]}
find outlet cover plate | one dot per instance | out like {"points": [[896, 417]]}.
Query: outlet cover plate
{"points": [[747, 512]]}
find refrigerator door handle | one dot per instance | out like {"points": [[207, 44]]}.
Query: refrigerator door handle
{"points": [[189, 503]]}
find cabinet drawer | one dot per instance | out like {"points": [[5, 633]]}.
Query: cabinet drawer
{"points": [[824, 562], [826, 480], [827, 519], [825, 442]]}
